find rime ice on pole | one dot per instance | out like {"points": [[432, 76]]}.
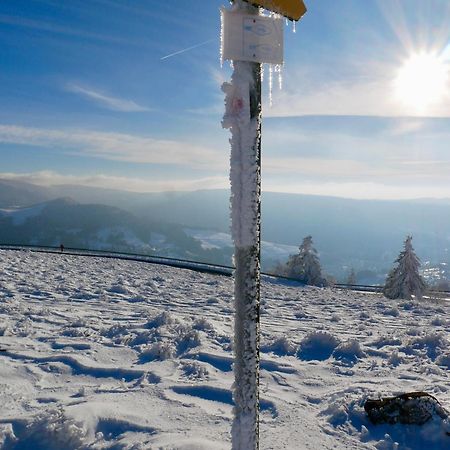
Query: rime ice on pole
{"points": [[245, 215]]}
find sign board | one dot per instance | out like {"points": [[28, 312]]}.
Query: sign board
{"points": [[247, 37], [292, 9]]}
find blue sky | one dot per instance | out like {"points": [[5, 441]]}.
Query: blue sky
{"points": [[90, 95]]}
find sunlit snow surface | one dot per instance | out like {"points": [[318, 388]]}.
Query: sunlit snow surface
{"points": [[112, 354]]}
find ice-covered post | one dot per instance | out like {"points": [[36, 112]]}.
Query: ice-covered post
{"points": [[248, 39], [243, 118]]}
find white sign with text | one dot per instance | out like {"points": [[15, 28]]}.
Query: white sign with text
{"points": [[252, 38]]}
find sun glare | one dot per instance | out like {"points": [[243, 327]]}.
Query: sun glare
{"points": [[422, 81]]}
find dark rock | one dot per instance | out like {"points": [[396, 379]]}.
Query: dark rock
{"points": [[410, 408]]}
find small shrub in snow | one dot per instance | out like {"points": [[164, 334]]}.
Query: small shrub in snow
{"points": [[413, 331], [280, 346], [300, 313], [348, 351], [202, 324], [408, 306], [158, 351], [194, 370], [395, 359], [79, 322], [394, 312], [119, 288], [143, 338], [53, 430], [443, 360], [23, 327], [160, 320], [438, 321], [187, 339], [317, 345], [387, 340], [115, 331], [76, 332]]}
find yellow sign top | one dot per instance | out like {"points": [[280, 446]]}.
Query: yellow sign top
{"points": [[292, 9]]}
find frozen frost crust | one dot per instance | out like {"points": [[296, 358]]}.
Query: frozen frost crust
{"points": [[242, 117]]}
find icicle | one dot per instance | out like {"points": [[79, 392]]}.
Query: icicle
{"points": [[263, 69], [293, 27], [279, 71], [221, 39], [270, 83]]}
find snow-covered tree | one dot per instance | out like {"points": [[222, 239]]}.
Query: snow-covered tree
{"points": [[306, 265], [404, 280]]}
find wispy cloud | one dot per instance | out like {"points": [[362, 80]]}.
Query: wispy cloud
{"points": [[117, 146], [108, 101], [51, 178]]}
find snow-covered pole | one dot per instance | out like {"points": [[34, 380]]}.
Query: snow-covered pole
{"points": [[243, 117], [248, 39]]}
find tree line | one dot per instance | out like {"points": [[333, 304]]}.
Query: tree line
{"points": [[403, 280]]}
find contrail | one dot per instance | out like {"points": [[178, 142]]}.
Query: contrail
{"points": [[187, 49]]}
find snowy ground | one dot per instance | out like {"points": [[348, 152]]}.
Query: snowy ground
{"points": [[112, 354]]}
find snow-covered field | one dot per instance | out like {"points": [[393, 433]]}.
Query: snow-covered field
{"points": [[100, 353]]}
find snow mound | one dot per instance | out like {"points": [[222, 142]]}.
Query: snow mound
{"points": [[317, 345]]}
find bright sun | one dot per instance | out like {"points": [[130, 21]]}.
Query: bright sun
{"points": [[422, 81]]}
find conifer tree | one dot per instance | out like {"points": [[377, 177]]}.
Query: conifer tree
{"points": [[404, 280], [306, 265]]}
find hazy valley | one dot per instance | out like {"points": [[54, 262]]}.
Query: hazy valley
{"points": [[364, 235]]}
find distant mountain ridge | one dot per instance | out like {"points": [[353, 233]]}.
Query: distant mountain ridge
{"points": [[364, 234], [19, 194], [100, 227]]}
